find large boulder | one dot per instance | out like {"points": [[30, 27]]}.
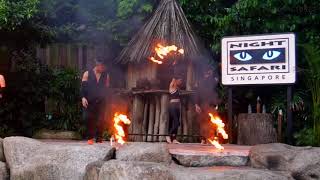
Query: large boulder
{"points": [[228, 173], [192, 155], [32, 159], [134, 170], [148, 152], [302, 162], [1, 151], [93, 169], [210, 160], [4, 175]]}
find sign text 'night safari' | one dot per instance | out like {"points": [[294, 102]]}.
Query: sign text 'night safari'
{"points": [[262, 59]]}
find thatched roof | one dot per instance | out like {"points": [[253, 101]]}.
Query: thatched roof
{"points": [[168, 25]]}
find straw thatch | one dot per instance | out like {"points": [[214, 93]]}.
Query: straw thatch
{"points": [[168, 25]]}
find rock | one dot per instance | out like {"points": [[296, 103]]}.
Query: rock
{"points": [[1, 151], [228, 173], [302, 162], [148, 152], [93, 170], [4, 175], [51, 134], [210, 160], [32, 159], [134, 170], [192, 155], [111, 154]]}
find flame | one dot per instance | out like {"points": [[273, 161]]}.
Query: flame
{"points": [[120, 134], [163, 51], [220, 130], [156, 61]]}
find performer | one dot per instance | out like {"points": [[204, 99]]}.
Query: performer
{"points": [[206, 101], [94, 90], [174, 109], [2, 85]]}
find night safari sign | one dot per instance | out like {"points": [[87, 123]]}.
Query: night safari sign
{"points": [[260, 59]]}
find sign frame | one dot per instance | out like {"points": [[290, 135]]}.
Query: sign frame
{"points": [[273, 76]]}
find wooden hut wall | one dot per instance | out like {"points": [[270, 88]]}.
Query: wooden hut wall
{"points": [[140, 71], [75, 56]]}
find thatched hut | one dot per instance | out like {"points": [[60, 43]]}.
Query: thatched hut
{"points": [[169, 26]]}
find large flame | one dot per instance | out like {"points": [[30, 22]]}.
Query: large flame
{"points": [[220, 130], [163, 51], [120, 134]]}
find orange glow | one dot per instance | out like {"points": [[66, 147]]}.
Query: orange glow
{"points": [[220, 130], [156, 61], [120, 134], [163, 51]]}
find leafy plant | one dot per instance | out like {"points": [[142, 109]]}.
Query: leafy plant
{"points": [[22, 108], [63, 106], [312, 73]]}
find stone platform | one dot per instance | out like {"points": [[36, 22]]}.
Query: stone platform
{"points": [[27, 159], [197, 155]]}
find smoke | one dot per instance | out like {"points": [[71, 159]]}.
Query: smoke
{"points": [[207, 72]]}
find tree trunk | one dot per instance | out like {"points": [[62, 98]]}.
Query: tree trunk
{"points": [[256, 128], [164, 116]]}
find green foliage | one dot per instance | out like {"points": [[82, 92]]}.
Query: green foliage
{"points": [[28, 85], [214, 19], [306, 137], [63, 106], [312, 73], [13, 13]]}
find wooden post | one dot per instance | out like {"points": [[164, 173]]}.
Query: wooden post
{"points": [[157, 118], [256, 128], [145, 119], [137, 116], [164, 116], [151, 118], [289, 115], [193, 125], [230, 125], [280, 116], [184, 119]]}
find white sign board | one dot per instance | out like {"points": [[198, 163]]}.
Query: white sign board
{"points": [[260, 59]]}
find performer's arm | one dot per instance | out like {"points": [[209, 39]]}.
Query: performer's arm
{"points": [[84, 89], [107, 83], [2, 85], [2, 82]]}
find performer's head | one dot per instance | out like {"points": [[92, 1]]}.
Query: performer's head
{"points": [[176, 81], [99, 65]]}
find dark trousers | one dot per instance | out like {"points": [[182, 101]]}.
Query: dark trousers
{"points": [[174, 118], [94, 116]]}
